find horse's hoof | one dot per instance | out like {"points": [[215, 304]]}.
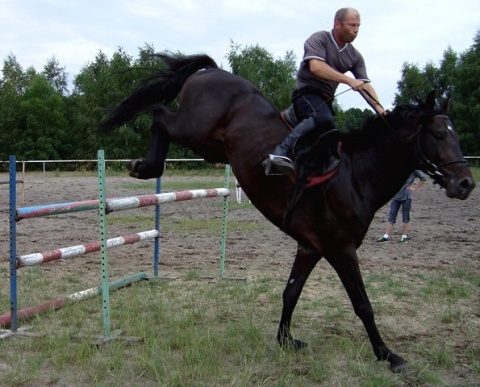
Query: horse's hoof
{"points": [[298, 345], [291, 343], [399, 367], [131, 166], [136, 168]]}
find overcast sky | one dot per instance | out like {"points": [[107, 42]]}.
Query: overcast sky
{"points": [[392, 31]]}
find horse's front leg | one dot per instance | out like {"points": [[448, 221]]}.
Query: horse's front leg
{"points": [[153, 165], [305, 261], [346, 265]]}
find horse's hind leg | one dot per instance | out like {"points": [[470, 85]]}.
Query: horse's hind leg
{"points": [[305, 261], [153, 165]]}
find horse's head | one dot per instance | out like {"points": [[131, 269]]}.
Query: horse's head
{"points": [[438, 150]]}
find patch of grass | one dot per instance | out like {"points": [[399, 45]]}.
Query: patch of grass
{"points": [[447, 287], [200, 333], [450, 314], [210, 226], [378, 284], [440, 355], [192, 274]]}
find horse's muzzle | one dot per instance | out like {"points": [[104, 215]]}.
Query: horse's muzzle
{"points": [[460, 188]]}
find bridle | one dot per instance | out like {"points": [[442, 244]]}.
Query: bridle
{"points": [[436, 172]]}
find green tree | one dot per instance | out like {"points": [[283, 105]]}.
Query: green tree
{"points": [[43, 123], [98, 86], [275, 78], [56, 75], [14, 75], [447, 69], [9, 118], [12, 86], [456, 77], [466, 98], [353, 119], [415, 83]]}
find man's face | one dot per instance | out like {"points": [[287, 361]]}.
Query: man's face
{"points": [[348, 29]]}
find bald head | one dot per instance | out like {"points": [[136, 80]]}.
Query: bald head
{"points": [[342, 14]]}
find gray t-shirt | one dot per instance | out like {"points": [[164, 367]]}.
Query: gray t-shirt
{"points": [[322, 46]]}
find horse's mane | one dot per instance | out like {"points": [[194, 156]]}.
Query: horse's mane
{"points": [[377, 128]]}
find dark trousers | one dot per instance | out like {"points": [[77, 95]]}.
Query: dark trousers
{"points": [[315, 116], [307, 102], [395, 207]]}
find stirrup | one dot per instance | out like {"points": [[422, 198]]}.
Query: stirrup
{"points": [[282, 164], [269, 168]]}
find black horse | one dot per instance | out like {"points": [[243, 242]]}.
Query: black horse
{"points": [[225, 119]]}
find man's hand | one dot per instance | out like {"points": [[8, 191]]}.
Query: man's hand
{"points": [[356, 84]]}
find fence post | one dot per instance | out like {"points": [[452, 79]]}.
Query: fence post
{"points": [[156, 248], [13, 244], [224, 222], [102, 204]]}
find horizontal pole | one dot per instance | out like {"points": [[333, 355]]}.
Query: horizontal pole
{"points": [[154, 199], [7, 182], [95, 160], [57, 303], [55, 209], [75, 251], [118, 204]]}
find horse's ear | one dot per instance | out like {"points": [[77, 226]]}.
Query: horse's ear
{"points": [[430, 101], [446, 105]]}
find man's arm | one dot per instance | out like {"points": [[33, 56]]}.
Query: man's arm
{"points": [[414, 187], [322, 70], [374, 103]]}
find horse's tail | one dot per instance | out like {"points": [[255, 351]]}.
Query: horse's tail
{"points": [[162, 87]]}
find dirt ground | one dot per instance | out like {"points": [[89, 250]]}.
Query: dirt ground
{"points": [[445, 235], [444, 231]]}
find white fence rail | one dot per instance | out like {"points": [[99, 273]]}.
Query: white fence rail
{"points": [[45, 162], [80, 161]]}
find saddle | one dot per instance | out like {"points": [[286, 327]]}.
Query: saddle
{"points": [[314, 164]]}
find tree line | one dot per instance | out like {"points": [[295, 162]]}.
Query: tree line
{"points": [[40, 119]]}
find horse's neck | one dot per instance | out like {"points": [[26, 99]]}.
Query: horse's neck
{"points": [[382, 171]]}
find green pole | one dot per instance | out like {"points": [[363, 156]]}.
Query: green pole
{"points": [[102, 204], [224, 222]]}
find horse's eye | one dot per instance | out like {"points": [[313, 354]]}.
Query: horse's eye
{"points": [[440, 134]]}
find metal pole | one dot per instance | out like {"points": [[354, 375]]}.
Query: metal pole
{"points": [[13, 244], [224, 222], [156, 247], [103, 238]]}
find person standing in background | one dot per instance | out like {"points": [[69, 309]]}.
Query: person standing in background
{"points": [[403, 199]]}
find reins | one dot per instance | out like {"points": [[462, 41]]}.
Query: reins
{"points": [[433, 170]]}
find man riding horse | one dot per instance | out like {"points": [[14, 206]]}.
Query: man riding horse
{"points": [[328, 56]]}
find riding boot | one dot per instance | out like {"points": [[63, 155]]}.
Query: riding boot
{"points": [[280, 156]]}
